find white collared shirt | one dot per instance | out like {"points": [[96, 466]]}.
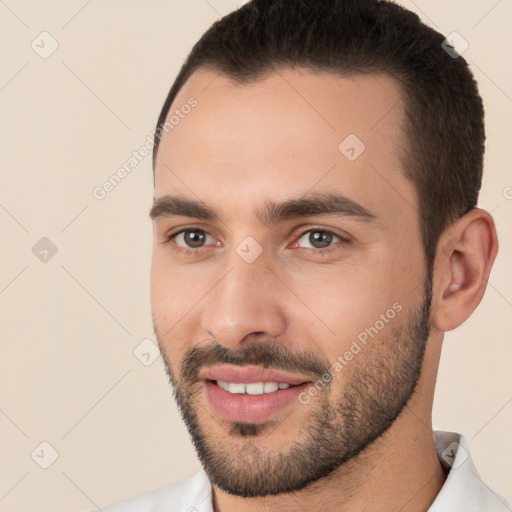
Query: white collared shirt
{"points": [[463, 490]]}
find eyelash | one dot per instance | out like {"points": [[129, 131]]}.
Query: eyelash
{"points": [[343, 241]]}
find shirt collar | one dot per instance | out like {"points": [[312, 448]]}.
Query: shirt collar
{"points": [[463, 489]]}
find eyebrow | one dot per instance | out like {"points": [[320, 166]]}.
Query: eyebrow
{"points": [[272, 213]]}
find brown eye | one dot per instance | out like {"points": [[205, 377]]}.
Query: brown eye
{"points": [[192, 238], [317, 239]]}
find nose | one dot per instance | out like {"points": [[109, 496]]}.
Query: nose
{"points": [[245, 303]]}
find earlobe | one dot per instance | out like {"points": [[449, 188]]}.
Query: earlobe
{"points": [[463, 263]]}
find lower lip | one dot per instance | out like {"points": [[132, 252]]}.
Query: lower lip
{"points": [[250, 408]]}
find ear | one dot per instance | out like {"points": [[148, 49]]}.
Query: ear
{"points": [[464, 258]]}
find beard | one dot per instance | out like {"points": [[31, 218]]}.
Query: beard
{"points": [[340, 424]]}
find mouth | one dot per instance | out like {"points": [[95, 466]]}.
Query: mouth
{"points": [[251, 394]]}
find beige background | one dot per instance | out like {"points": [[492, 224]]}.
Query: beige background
{"points": [[69, 326]]}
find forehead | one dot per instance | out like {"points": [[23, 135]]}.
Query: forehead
{"points": [[288, 133]]}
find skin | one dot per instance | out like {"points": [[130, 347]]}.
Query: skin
{"points": [[277, 139]]}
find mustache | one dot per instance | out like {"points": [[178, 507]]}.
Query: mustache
{"points": [[265, 355]]}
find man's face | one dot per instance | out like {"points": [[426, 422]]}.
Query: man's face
{"points": [[320, 305]]}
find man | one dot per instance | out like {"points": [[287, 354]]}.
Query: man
{"points": [[317, 168]]}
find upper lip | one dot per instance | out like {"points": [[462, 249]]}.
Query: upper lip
{"points": [[247, 374]]}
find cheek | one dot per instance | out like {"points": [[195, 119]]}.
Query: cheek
{"points": [[176, 292], [168, 292], [159, 286], [166, 276], [168, 305], [344, 302]]}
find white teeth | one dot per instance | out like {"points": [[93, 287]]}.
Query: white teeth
{"points": [[270, 387], [255, 388], [223, 384], [252, 388], [236, 387]]}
